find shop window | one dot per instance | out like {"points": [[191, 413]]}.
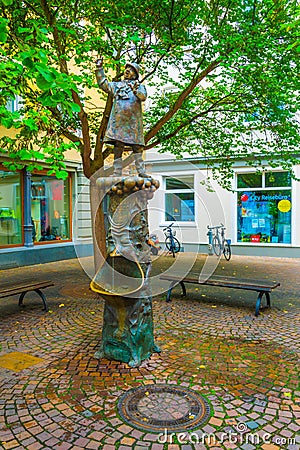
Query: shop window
{"points": [[180, 199], [50, 208], [10, 209], [264, 215], [249, 180], [278, 179], [185, 183]]}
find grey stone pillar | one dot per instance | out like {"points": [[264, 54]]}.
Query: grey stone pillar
{"points": [[27, 210]]}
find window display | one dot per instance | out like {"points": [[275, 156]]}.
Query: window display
{"points": [[49, 211], [264, 215], [50, 208], [10, 208]]}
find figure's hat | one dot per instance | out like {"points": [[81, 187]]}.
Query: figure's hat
{"points": [[135, 67]]}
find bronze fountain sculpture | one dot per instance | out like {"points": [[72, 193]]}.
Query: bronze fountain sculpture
{"points": [[123, 278]]}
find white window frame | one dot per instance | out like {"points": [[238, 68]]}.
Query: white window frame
{"points": [[263, 188], [180, 177], [14, 104]]}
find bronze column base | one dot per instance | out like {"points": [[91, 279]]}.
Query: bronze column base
{"points": [[123, 279]]}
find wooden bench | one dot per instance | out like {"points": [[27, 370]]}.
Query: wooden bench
{"points": [[262, 287], [23, 288]]}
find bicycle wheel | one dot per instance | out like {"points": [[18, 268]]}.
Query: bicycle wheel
{"points": [[216, 244], [172, 245], [176, 245], [227, 250]]}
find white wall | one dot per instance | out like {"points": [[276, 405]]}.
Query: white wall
{"points": [[82, 215], [211, 208]]}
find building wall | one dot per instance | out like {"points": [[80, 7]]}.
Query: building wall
{"points": [[83, 229], [31, 250], [213, 208], [79, 222]]}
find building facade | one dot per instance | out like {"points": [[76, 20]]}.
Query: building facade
{"points": [[42, 216], [44, 219], [260, 213]]}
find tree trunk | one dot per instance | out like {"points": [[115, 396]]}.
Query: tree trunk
{"points": [[98, 224]]}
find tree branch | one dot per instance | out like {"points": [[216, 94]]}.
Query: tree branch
{"points": [[86, 151], [188, 122], [29, 6], [155, 66], [56, 36], [107, 152], [102, 130], [178, 103]]}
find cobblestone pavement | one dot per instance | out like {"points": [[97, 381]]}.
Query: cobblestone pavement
{"points": [[247, 367]]}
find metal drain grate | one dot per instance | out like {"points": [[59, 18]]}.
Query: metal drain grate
{"points": [[159, 407]]}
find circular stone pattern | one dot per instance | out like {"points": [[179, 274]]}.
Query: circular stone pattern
{"points": [[157, 407]]}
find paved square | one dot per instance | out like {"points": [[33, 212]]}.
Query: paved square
{"points": [[247, 367]]}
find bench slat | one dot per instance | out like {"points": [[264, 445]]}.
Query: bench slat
{"points": [[263, 288], [6, 291], [221, 281]]}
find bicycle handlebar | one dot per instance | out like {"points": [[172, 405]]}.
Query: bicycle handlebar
{"points": [[218, 226], [169, 226]]}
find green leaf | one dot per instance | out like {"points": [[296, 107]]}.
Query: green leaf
{"points": [[28, 63], [7, 122], [24, 154], [31, 124], [62, 174], [43, 56], [43, 84], [75, 108], [45, 119], [3, 37], [57, 97], [24, 30], [49, 75], [3, 29]]}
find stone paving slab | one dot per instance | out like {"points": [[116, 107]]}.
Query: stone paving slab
{"points": [[246, 367]]}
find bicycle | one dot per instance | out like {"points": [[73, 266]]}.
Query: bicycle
{"points": [[171, 241], [219, 243]]}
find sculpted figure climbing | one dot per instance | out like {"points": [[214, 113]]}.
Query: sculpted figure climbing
{"points": [[125, 126]]}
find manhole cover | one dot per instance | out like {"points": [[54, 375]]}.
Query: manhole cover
{"points": [[159, 407]]}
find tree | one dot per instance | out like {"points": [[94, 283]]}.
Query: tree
{"points": [[235, 89]]}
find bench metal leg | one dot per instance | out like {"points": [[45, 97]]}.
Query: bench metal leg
{"points": [[268, 299], [40, 293], [21, 298], [258, 302], [183, 288], [172, 284]]}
